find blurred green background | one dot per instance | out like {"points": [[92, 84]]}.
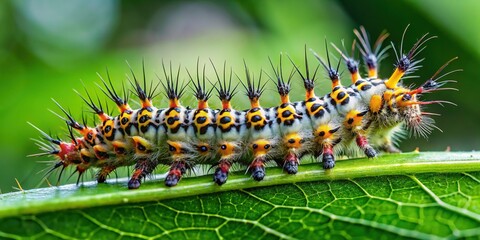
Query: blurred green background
{"points": [[48, 47]]}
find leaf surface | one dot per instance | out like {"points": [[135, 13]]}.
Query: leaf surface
{"points": [[427, 195]]}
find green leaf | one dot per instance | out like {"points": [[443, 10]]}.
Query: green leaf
{"points": [[413, 195]]}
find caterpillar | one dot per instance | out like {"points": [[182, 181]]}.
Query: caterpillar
{"points": [[364, 117]]}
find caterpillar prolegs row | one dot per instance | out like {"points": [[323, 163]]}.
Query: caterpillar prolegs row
{"points": [[362, 117]]}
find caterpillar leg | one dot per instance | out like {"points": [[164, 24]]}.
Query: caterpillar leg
{"points": [[328, 159], [291, 163], [221, 172], [260, 149], [389, 148], [104, 172], [80, 170], [228, 152], [362, 143], [326, 138], [257, 168], [177, 169], [354, 123], [142, 169]]}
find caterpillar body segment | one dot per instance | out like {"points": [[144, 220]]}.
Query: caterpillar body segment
{"points": [[367, 116], [230, 127], [260, 126]]}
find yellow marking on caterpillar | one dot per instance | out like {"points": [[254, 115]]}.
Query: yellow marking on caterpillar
{"points": [[85, 153], [108, 127], [125, 119], [309, 106], [226, 149], [393, 80], [293, 140], [372, 73], [355, 77], [404, 103], [225, 125], [260, 147], [260, 119], [144, 113], [324, 131], [283, 110], [309, 94], [376, 103], [353, 119], [175, 148], [359, 87], [173, 114], [198, 115], [337, 98], [203, 149], [120, 148], [100, 152], [142, 145], [387, 96], [146, 103]]}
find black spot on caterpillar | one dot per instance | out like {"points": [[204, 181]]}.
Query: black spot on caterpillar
{"points": [[363, 116]]}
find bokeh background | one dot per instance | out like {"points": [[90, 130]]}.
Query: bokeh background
{"points": [[49, 47]]}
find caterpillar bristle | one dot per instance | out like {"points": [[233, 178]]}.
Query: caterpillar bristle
{"points": [[371, 58], [97, 109], [359, 119], [172, 90], [333, 73], [225, 90], [253, 92], [406, 62], [308, 83], [110, 92], [282, 85], [145, 94], [350, 62], [199, 87], [69, 120]]}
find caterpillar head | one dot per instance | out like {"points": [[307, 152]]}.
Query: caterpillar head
{"points": [[411, 108], [66, 153]]}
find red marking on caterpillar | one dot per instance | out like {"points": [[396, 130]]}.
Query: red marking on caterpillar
{"points": [[364, 117]]}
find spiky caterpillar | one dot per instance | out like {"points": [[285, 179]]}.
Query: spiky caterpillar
{"points": [[362, 116]]}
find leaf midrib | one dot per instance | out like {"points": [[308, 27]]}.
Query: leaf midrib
{"points": [[115, 191]]}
